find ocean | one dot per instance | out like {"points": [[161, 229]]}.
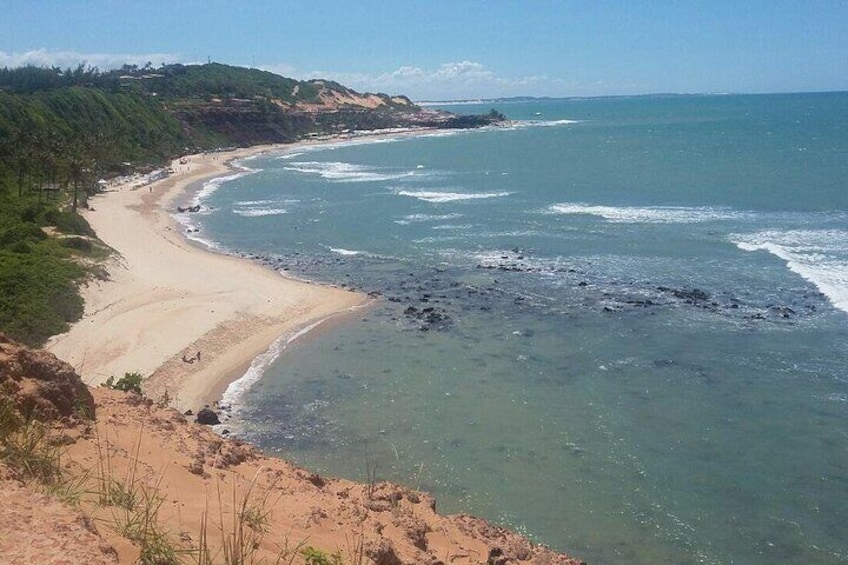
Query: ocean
{"points": [[617, 325]]}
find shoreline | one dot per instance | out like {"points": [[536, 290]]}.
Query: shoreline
{"points": [[169, 299]]}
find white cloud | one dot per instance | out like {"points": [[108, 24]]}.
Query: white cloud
{"points": [[456, 80], [103, 61]]}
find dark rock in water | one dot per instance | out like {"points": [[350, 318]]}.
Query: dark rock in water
{"points": [[638, 302], [685, 294], [207, 417], [782, 311]]}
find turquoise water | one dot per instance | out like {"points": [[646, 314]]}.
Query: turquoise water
{"points": [[619, 326]]}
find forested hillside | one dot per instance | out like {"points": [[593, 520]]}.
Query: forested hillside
{"points": [[61, 131], [59, 134]]}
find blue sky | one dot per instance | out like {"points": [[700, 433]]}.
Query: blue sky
{"points": [[459, 49]]}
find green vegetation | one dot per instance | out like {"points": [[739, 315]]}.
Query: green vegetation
{"points": [[60, 134], [26, 448], [39, 274], [62, 131], [313, 556], [71, 135], [495, 115], [130, 382], [181, 82]]}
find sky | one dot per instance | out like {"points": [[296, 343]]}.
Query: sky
{"points": [[459, 49]]}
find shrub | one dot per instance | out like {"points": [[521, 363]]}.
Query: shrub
{"points": [[25, 231], [313, 556], [77, 243], [130, 382], [26, 448], [31, 211], [71, 223]]}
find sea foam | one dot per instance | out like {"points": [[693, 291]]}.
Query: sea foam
{"points": [[345, 252], [410, 218], [191, 221], [259, 208], [529, 124], [650, 214], [236, 389], [345, 172], [209, 187], [521, 124], [819, 256], [440, 197], [259, 212]]}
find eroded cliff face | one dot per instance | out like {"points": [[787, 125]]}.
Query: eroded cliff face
{"points": [[40, 398], [332, 96], [198, 492], [260, 120], [39, 386], [228, 123]]}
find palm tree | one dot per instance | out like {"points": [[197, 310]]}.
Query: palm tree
{"points": [[23, 148], [78, 168]]}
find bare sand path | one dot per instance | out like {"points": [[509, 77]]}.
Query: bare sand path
{"points": [[168, 299]]}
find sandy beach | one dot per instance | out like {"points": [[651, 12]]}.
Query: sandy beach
{"points": [[167, 301]]}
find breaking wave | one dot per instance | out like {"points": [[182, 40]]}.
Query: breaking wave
{"points": [[440, 197], [259, 212], [345, 172], [819, 256], [420, 218], [650, 214]]}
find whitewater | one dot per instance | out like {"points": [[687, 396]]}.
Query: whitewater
{"points": [[617, 325]]}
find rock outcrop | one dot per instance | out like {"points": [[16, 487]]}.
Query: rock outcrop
{"points": [[41, 386], [255, 122]]}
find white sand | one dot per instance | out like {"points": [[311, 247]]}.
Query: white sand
{"points": [[168, 298]]}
